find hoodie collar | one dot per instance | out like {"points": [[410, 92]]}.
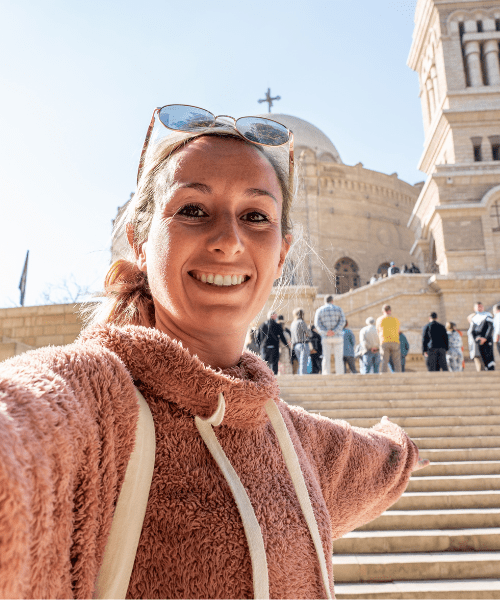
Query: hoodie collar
{"points": [[162, 368]]}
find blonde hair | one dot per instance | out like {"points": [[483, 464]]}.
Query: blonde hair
{"points": [[127, 296]]}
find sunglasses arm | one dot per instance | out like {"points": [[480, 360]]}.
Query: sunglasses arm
{"points": [[146, 143]]}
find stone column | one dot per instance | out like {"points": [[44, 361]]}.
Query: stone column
{"points": [[430, 97], [473, 57], [435, 87], [490, 50]]}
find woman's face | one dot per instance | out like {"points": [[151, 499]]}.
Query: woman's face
{"points": [[215, 245]]}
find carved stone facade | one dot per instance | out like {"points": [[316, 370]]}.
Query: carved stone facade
{"points": [[356, 220], [455, 51]]}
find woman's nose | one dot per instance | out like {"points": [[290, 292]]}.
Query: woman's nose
{"points": [[226, 237]]}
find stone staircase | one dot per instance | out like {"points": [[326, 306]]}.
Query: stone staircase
{"points": [[442, 538]]}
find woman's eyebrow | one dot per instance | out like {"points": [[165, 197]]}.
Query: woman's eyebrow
{"points": [[260, 192], [201, 187], [206, 189]]}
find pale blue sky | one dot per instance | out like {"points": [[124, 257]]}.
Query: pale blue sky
{"points": [[80, 79]]}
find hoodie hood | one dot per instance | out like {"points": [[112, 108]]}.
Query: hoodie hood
{"points": [[164, 369]]}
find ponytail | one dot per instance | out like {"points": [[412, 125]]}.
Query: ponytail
{"points": [[128, 299]]}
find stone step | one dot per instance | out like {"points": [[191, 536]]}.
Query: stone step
{"points": [[470, 386], [434, 421], [476, 441], [454, 589], [376, 412], [421, 540], [358, 568], [440, 500], [385, 378], [358, 394], [435, 519], [454, 454], [463, 467], [401, 403], [455, 483], [443, 431]]}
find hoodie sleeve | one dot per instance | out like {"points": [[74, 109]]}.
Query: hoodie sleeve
{"points": [[66, 419], [361, 471]]}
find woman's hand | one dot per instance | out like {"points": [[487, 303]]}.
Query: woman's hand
{"points": [[422, 462]]}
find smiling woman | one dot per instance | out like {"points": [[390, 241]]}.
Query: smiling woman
{"points": [[246, 493]]}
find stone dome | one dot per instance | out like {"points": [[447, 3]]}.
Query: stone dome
{"points": [[306, 135]]}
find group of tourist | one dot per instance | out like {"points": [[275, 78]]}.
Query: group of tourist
{"points": [[443, 346], [393, 270], [382, 346], [306, 349]]}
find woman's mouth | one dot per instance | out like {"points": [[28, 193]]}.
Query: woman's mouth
{"points": [[218, 279]]}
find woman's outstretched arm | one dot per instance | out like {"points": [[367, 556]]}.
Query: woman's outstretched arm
{"points": [[65, 416], [361, 471]]}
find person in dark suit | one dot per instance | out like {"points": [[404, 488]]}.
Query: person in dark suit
{"points": [[269, 335], [435, 344], [317, 351]]}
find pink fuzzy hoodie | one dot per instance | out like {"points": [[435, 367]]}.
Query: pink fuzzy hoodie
{"points": [[67, 425]]}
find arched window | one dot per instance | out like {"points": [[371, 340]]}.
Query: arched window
{"points": [[383, 268], [346, 275]]}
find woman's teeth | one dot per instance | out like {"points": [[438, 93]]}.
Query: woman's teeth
{"points": [[219, 280]]}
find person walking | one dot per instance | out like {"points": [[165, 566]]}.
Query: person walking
{"points": [[496, 326], [285, 361], [454, 354], [474, 353], [388, 333], [329, 320], [300, 339], [404, 345], [482, 332], [316, 352], [349, 343], [268, 336], [435, 344], [369, 342]]}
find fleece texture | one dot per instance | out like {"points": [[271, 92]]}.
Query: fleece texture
{"points": [[67, 424]]}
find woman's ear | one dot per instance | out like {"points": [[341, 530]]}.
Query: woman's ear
{"points": [[139, 249], [286, 242]]}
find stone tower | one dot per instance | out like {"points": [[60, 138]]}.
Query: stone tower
{"points": [[455, 52]]}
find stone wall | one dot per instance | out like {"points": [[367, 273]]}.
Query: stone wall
{"points": [[37, 326], [352, 212]]}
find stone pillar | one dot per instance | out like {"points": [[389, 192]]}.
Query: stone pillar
{"points": [[430, 97], [425, 105], [489, 25], [433, 75], [473, 57], [490, 50]]}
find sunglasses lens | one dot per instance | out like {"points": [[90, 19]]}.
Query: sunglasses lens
{"points": [[185, 118], [262, 131]]}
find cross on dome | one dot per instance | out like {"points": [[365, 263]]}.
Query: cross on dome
{"points": [[269, 99]]}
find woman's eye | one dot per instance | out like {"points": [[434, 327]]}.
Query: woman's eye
{"points": [[192, 211], [255, 217]]}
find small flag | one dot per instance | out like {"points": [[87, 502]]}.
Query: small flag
{"points": [[22, 283]]}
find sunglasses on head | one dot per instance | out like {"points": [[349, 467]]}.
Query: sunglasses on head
{"points": [[182, 117]]}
